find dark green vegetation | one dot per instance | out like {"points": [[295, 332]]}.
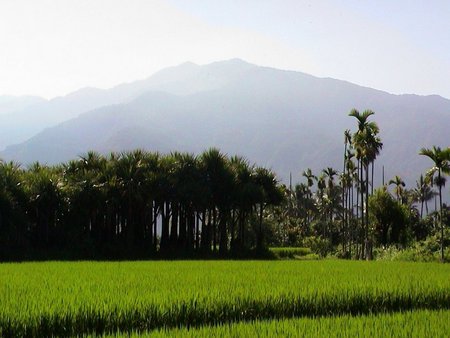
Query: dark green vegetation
{"points": [[54, 298], [140, 204], [134, 204], [292, 253], [346, 215]]}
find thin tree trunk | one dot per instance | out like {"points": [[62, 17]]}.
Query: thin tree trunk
{"points": [[440, 217], [214, 230], [362, 188], [421, 206], [371, 189], [174, 225], [183, 227], [197, 230], [155, 223], [350, 219], [344, 199], [223, 240], [150, 227], [368, 241], [260, 234], [190, 229], [233, 230], [165, 226]]}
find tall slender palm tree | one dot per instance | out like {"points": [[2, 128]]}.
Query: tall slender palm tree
{"points": [[330, 173], [270, 194], [367, 146], [219, 178], [424, 193], [398, 189], [441, 159], [302, 204], [310, 179], [345, 181], [322, 202]]}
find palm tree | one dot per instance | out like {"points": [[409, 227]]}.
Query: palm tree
{"points": [[310, 178], [441, 159], [83, 182], [45, 198], [220, 180], [367, 146], [322, 200], [247, 193], [329, 174], [399, 185], [345, 181], [353, 172], [164, 182], [13, 220], [346, 184], [302, 204], [424, 193], [270, 194], [188, 189]]}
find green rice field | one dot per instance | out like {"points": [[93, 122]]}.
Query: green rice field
{"points": [[421, 323], [98, 298]]}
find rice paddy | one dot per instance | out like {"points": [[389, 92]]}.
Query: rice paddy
{"points": [[421, 323], [97, 298]]}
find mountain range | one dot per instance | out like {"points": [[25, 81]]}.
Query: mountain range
{"points": [[11, 104], [284, 120]]}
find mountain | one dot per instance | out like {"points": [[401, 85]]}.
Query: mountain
{"points": [[188, 78], [280, 119], [11, 104]]}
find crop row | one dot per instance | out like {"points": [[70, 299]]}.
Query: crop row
{"points": [[422, 323], [43, 299]]}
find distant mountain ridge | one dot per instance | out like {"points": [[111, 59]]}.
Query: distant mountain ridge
{"points": [[11, 104], [20, 125], [285, 120]]}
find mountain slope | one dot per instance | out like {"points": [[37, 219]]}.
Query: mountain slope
{"points": [[11, 104], [281, 119], [188, 78]]}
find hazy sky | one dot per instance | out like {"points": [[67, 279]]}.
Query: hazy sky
{"points": [[52, 47]]}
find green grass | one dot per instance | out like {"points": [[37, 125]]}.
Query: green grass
{"points": [[422, 323], [290, 252], [43, 299]]}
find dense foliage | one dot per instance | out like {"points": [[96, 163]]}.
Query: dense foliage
{"points": [[346, 215], [134, 204], [45, 299], [140, 204]]}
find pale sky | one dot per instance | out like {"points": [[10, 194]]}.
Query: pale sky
{"points": [[52, 47]]}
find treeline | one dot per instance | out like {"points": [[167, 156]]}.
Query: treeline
{"points": [[140, 204], [343, 212], [134, 205]]}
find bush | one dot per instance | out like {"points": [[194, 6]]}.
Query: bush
{"points": [[423, 251], [318, 245], [290, 252]]}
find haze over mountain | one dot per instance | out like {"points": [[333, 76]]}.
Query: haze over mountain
{"points": [[280, 119], [11, 104], [20, 125]]}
